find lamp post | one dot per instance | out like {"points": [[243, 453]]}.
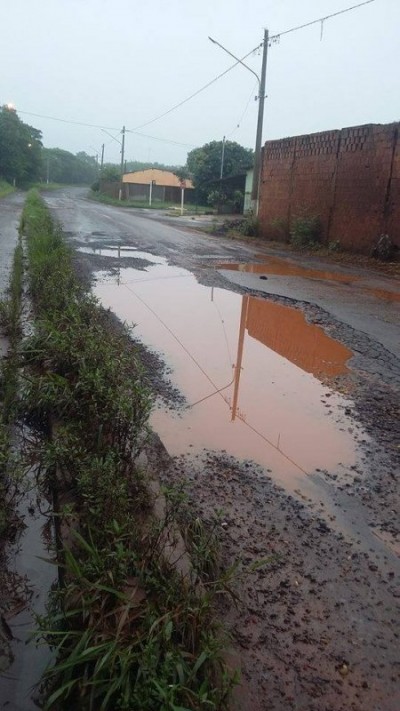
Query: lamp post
{"points": [[261, 98]]}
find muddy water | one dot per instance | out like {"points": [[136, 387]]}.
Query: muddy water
{"points": [[281, 267], [250, 370], [27, 559], [274, 266]]}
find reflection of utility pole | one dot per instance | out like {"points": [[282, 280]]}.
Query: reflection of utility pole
{"points": [[239, 357], [222, 158], [122, 162]]}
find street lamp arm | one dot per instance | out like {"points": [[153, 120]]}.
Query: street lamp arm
{"points": [[234, 57]]}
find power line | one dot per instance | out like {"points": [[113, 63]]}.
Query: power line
{"points": [[203, 88], [134, 130], [104, 128], [320, 20]]}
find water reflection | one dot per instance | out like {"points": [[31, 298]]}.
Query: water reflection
{"points": [[281, 267], [248, 367]]}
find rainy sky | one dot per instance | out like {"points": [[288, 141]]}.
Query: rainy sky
{"points": [[111, 64]]}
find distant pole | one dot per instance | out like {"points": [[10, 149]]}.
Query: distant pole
{"points": [[48, 171], [222, 158], [255, 195], [150, 192], [122, 162], [102, 158], [182, 198]]}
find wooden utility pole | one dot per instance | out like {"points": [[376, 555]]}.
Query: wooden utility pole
{"points": [[255, 195], [222, 159], [122, 162]]}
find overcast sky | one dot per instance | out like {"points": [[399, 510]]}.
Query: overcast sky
{"points": [[113, 63]]}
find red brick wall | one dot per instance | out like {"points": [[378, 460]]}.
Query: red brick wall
{"points": [[350, 179]]}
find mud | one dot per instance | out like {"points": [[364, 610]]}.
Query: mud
{"points": [[315, 628], [316, 621]]}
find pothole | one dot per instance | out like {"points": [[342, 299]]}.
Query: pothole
{"points": [[253, 372]]}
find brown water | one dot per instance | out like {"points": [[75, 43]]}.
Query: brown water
{"points": [[281, 267], [250, 370], [274, 266]]}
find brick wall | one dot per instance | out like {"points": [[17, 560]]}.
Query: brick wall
{"points": [[350, 179]]}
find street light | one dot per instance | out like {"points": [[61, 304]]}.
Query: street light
{"points": [[255, 195]]}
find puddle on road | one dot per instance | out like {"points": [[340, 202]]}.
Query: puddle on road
{"points": [[118, 252], [385, 295], [248, 368], [274, 266], [281, 267]]}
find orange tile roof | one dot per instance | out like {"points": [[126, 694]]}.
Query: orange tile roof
{"points": [[165, 178]]}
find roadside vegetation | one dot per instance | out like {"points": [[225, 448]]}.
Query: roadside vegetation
{"points": [[132, 622], [10, 328], [5, 188]]}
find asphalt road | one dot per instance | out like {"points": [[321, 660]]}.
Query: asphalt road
{"points": [[354, 304], [328, 605]]}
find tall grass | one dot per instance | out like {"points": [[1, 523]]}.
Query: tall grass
{"points": [[10, 326], [132, 626], [5, 188]]}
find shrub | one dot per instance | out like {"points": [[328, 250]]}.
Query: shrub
{"points": [[306, 231]]}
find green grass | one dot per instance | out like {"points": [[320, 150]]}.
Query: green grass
{"points": [[10, 314], [131, 628], [5, 188]]}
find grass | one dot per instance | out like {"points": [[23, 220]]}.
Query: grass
{"points": [[132, 626], [10, 313], [5, 188]]}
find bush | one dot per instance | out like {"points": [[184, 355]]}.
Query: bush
{"points": [[250, 227], [306, 231]]}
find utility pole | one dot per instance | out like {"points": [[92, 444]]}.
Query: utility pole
{"points": [[222, 158], [261, 98], [255, 195], [122, 162], [102, 158]]}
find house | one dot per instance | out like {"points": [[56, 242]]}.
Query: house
{"points": [[153, 185]]}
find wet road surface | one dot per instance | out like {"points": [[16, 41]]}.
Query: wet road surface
{"points": [[264, 387]]}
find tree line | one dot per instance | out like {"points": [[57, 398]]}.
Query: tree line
{"points": [[24, 160]]}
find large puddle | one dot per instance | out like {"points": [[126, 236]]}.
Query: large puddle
{"points": [[274, 266], [252, 372], [281, 267]]}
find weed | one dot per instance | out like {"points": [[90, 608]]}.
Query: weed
{"points": [[5, 188], [10, 313], [250, 226], [130, 630], [306, 231], [334, 246]]}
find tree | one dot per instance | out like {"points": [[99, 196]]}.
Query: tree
{"points": [[204, 163], [20, 148], [65, 167]]}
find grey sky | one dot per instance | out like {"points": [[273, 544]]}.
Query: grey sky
{"points": [[110, 63]]}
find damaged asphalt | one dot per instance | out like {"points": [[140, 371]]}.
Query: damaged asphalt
{"points": [[315, 629]]}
